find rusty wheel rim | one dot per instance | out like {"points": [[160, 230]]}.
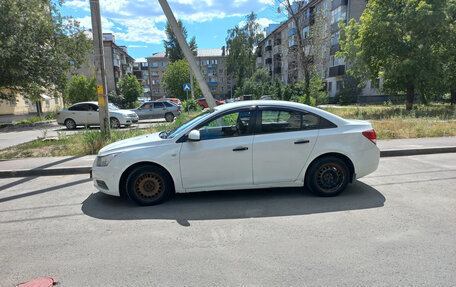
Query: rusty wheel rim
{"points": [[149, 186]]}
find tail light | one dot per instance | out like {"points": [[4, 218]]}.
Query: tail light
{"points": [[370, 135]]}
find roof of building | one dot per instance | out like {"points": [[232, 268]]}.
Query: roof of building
{"points": [[200, 53]]}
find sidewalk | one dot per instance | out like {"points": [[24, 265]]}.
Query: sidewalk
{"points": [[82, 164]]}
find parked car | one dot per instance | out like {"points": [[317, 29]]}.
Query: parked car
{"points": [[158, 109], [251, 144], [203, 104], [86, 114], [174, 100]]}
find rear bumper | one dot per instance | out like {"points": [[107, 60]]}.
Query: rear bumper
{"points": [[367, 162]]}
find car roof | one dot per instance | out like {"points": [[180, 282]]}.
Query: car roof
{"points": [[285, 104], [92, 102]]}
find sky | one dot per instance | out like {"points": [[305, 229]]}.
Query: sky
{"points": [[139, 24]]}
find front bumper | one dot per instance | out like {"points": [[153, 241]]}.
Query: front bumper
{"points": [[105, 180]]}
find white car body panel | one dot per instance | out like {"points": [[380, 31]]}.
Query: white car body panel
{"points": [[213, 165]]}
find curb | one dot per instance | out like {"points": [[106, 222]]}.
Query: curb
{"points": [[10, 127], [86, 169]]}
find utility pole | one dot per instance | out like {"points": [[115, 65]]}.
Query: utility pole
{"points": [[191, 84], [188, 54], [100, 68]]}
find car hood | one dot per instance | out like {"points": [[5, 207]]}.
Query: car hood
{"points": [[148, 140], [121, 112]]}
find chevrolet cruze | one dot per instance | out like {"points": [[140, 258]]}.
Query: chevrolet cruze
{"points": [[250, 144]]}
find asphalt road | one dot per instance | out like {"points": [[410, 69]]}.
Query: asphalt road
{"points": [[394, 227], [22, 135]]}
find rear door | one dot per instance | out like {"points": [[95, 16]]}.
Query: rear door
{"points": [[93, 118], [284, 139], [79, 113]]}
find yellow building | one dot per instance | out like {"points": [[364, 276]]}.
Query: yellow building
{"points": [[22, 106]]}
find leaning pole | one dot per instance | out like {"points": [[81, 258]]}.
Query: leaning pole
{"points": [[188, 54]]}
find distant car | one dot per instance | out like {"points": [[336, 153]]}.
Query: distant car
{"points": [[86, 114], [248, 144], [174, 100], [158, 109], [203, 104], [266, 98]]}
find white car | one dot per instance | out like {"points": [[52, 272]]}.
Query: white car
{"points": [[86, 114], [249, 144]]}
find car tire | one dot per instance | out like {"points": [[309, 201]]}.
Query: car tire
{"points": [[70, 124], [169, 117], [149, 185], [115, 124], [327, 176], [202, 107]]}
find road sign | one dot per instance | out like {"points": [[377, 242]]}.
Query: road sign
{"points": [[100, 90], [187, 87]]}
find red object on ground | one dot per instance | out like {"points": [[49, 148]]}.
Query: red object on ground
{"points": [[38, 282]]}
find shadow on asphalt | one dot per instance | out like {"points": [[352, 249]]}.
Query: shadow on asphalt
{"points": [[234, 204]]}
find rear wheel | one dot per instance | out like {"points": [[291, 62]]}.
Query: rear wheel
{"points": [[115, 124], [169, 117], [70, 124], [149, 185], [328, 176]]}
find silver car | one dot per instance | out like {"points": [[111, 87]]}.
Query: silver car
{"points": [[86, 114], [158, 109]]}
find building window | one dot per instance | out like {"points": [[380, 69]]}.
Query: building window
{"points": [[334, 61], [339, 12], [154, 73], [154, 65], [221, 89], [163, 64], [330, 85], [48, 103], [12, 102], [221, 71], [204, 72], [197, 63], [155, 82], [305, 32], [334, 38], [156, 91], [339, 85], [326, 8], [56, 100], [204, 63]]}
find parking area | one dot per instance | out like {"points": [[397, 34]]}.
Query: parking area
{"points": [[394, 227]]}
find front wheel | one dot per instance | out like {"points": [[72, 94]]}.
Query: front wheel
{"points": [[149, 185], [169, 117], [115, 124], [327, 176]]}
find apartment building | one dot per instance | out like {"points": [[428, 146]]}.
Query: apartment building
{"points": [[118, 62], [318, 20], [211, 62], [141, 71]]}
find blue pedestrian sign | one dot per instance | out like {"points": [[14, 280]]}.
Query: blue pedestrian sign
{"points": [[187, 87]]}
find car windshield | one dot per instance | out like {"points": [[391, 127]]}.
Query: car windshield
{"points": [[112, 106], [169, 134]]}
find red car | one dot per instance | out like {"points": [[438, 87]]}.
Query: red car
{"points": [[174, 100], [203, 104]]}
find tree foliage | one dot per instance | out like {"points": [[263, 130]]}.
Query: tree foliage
{"points": [[80, 89], [172, 47], [399, 41], [131, 89], [37, 47], [176, 75], [241, 43]]}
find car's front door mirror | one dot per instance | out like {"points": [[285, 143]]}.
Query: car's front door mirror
{"points": [[194, 136]]}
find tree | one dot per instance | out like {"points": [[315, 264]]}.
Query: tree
{"points": [[174, 78], [257, 85], [350, 90], [398, 41], [131, 89], [80, 89], [37, 47], [172, 48], [449, 50], [241, 43]]}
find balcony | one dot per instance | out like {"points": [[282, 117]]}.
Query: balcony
{"points": [[277, 42], [292, 32], [268, 48], [277, 57], [212, 84], [334, 49], [269, 61], [336, 71], [277, 50], [278, 70], [336, 3], [212, 66]]}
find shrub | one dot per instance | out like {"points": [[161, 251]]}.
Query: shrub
{"points": [[190, 105]]}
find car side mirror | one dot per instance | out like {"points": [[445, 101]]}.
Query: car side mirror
{"points": [[194, 136]]}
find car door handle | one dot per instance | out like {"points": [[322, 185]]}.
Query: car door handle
{"points": [[240, 148], [302, 142]]}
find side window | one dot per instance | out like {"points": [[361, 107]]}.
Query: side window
{"points": [[81, 107], [228, 125], [167, 104], [278, 121], [93, 108], [146, 106], [158, 106]]}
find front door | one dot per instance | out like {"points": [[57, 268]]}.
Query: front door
{"points": [[223, 156], [159, 110], [283, 142]]}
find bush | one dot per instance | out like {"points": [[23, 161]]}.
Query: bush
{"points": [[191, 105]]}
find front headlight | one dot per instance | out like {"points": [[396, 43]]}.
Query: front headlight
{"points": [[105, 160]]}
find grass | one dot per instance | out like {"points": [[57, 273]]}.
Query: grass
{"points": [[390, 122], [87, 142]]}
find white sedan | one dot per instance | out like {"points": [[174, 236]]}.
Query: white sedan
{"points": [[250, 144], [86, 114]]}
